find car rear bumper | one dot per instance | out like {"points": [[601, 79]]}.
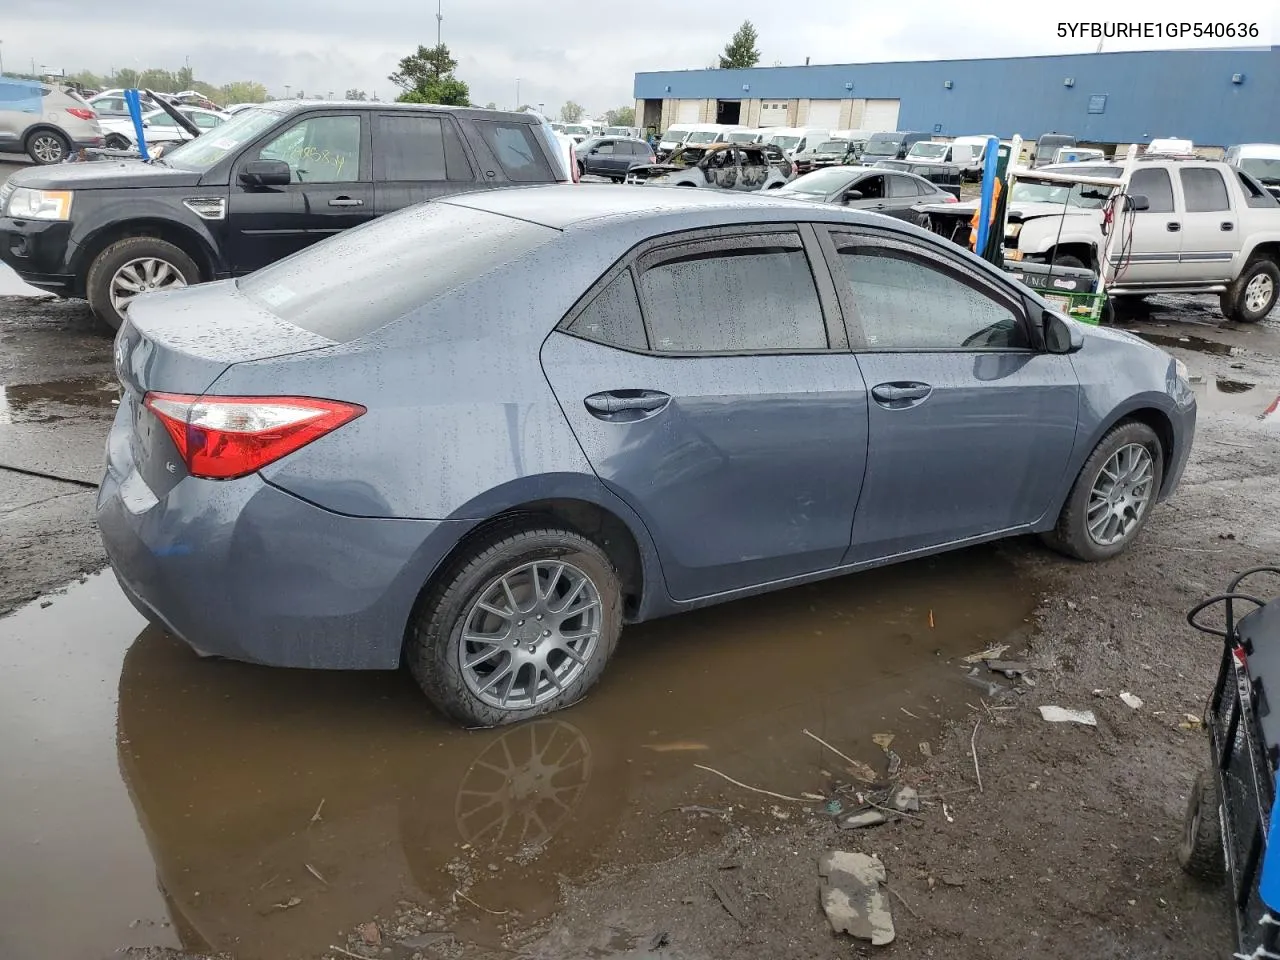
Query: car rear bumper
{"points": [[244, 570], [37, 250]]}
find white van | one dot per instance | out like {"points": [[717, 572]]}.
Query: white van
{"points": [[797, 141], [747, 135], [1260, 160], [692, 133], [976, 148]]}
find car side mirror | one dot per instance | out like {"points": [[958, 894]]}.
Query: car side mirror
{"points": [[852, 194], [1060, 334], [1137, 202], [265, 173], [593, 150]]}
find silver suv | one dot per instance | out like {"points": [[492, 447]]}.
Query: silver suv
{"points": [[44, 122]]}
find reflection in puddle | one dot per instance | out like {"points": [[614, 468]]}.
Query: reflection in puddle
{"points": [[1198, 344], [1228, 395], [1226, 385], [56, 400], [280, 806]]}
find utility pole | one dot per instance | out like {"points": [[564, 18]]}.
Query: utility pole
{"points": [[517, 105], [439, 21], [1, 56]]}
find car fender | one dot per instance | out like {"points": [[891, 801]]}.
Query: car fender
{"points": [[137, 212], [588, 488], [1041, 234], [1257, 238]]}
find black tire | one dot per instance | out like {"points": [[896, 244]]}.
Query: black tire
{"points": [[115, 256], [115, 141], [434, 646], [686, 184], [1233, 301], [582, 169], [617, 179], [1071, 534], [46, 147], [1200, 850]]}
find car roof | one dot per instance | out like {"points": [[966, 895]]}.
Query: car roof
{"points": [[288, 107], [562, 206]]}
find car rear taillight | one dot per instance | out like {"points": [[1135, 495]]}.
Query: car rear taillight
{"points": [[82, 113], [951, 198], [221, 438]]}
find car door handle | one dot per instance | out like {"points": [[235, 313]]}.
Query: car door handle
{"points": [[1173, 226], [901, 394], [1227, 225], [346, 202], [609, 404]]}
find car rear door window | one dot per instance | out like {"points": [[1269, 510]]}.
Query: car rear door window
{"points": [[900, 187], [1204, 190], [613, 317], [408, 147], [516, 149], [1154, 184], [322, 149], [605, 148], [748, 294], [909, 300]]}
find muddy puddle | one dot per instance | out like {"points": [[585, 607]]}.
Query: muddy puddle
{"points": [[156, 798], [57, 399]]}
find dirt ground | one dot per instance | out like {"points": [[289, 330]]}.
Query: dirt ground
{"points": [[1066, 849]]}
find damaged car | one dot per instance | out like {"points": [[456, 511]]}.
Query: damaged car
{"points": [[724, 166]]}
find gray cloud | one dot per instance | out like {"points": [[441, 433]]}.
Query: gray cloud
{"points": [[559, 51]]}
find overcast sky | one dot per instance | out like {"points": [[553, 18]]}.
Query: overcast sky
{"points": [[559, 50]]}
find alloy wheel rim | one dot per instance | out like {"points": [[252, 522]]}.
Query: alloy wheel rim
{"points": [[529, 634], [1120, 495], [1258, 293], [47, 148], [143, 275]]}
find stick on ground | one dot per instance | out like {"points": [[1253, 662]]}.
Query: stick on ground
{"points": [[973, 747], [745, 786]]}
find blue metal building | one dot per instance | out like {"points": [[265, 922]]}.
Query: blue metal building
{"points": [[1213, 97]]}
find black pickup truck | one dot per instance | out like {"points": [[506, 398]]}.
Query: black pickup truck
{"points": [[271, 180]]}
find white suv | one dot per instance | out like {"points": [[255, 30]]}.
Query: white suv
{"points": [[43, 121], [1206, 228]]}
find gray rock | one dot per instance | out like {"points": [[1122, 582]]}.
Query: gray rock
{"points": [[906, 799], [867, 818], [853, 898]]}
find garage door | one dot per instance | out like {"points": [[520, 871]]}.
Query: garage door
{"points": [[881, 115], [773, 113], [688, 110], [824, 114]]}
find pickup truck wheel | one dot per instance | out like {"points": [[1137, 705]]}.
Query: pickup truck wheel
{"points": [[1254, 293], [1113, 495], [131, 267], [1068, 261]]}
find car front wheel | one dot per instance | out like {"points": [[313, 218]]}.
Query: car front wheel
{"points": [[1113, 495], [131, 267], [522, 625]]}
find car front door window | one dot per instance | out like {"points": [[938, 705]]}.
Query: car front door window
{"points": [[319, 149]]}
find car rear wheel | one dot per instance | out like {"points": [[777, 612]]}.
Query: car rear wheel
{"points": [[1200, 850], [1254, 292], [1113, 495], [131, 267], [47, 146], [522, 625]]}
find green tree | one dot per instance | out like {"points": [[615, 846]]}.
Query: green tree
{"points": [[185, 79], [242, 91], [621, 117], [88, 79], [741, 51], [354, 94], [161, 81], [427, 77], [571, 112], [126, 78]]}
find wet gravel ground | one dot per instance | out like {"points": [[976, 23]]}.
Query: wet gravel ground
{"points": [[216, 794]]}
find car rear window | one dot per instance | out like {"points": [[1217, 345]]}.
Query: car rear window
{"points": [[517, 150], [352, 284]]}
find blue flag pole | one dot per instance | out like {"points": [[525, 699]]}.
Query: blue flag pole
{"points": [[988, 193], [135, 112]]}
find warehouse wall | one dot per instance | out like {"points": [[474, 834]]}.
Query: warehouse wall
{"points": [[1166, 93]]}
